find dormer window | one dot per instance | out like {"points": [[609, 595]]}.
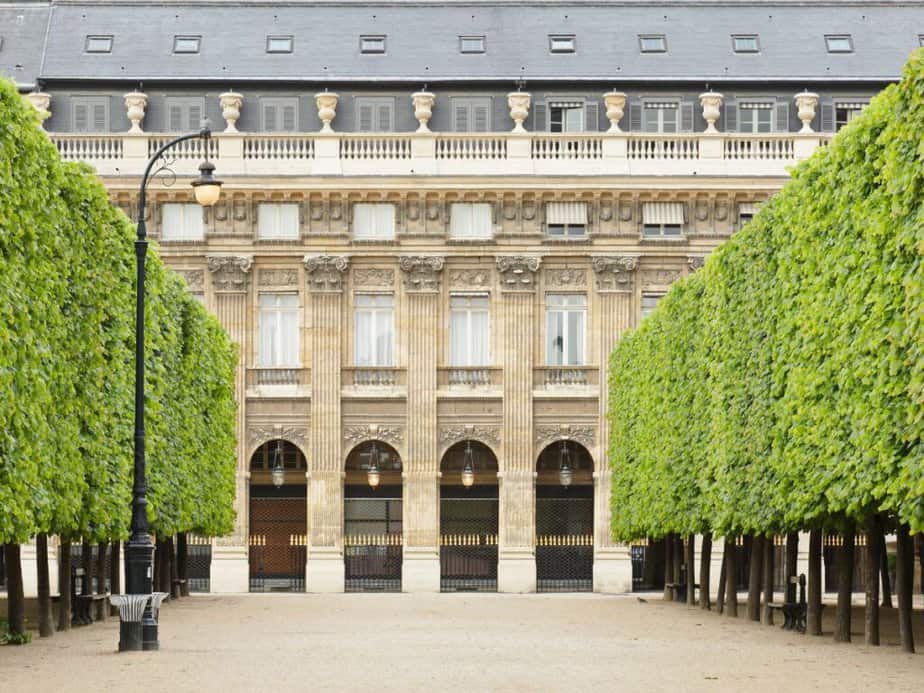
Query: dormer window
{"points": [[839, 44], [279, 44], [746, 43], [471, 44], [561, 43], [98, 44], [186, 44], [652, 43], [372, 44]]}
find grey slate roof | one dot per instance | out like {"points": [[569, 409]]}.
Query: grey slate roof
{"points": [[423, 38], [22, 33]]}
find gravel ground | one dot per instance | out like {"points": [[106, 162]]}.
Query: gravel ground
{"points": [[449, 642]]}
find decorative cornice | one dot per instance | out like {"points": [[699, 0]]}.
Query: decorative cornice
{"points": [[518, 272], [357, 434], [258, 435], [325, 272], [585, 435], [374, 276], [278, 277], [195, 279], [614, 273], [422, 272], [450, 435], [230, 273]]}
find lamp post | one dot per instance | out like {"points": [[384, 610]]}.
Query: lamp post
{"points": [[139, 551]]}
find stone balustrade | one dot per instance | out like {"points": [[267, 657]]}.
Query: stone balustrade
{"points": [[470, 377], [452, 154], [374, 377], [555, 377], [258, 378]]}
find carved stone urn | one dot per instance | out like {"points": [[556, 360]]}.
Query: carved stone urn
{"points": [[615, 102], [41, 102], [231, 103], [423, 108], [518, 101], [135, 103], [712, 109], [807, 103], [327, 108]]}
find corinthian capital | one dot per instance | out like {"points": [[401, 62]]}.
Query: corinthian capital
{"points": [[230, 273], [614, 273], [421, 272], [325, 272], [518, 272]]}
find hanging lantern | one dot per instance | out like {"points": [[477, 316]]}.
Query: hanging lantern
{"points": [[468, 468], [374, 476], [279, 471], [565, 472]]}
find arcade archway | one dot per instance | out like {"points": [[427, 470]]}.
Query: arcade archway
{"points": [[468, 518]]}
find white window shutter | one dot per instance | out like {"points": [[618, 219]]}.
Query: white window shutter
{"points": [[590, 118], [539, 119], [686, 117], [195, 117], [782, 117], [269, 118], [99, 117], [288, 118], [176, 118], [81, 121], [383, 118], [480, 118], [462, 120], [365, 118], [635, 117]]}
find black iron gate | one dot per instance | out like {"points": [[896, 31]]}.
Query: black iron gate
{"points": [[198, 563], [372, 543], [278, 543], [468, 539], [564, 539]]}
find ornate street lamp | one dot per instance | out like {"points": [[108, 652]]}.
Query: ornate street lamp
{"points": [[565, 472], [279, 470], [468, 468], [374, 476], [139, 550]]}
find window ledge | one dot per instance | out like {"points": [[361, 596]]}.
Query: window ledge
{"points": [[472, 241], [654, 240], [277, 241], [574, 240], [181, 241], [375, 241]]}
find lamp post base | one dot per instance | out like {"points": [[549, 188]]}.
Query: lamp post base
{"points": [[149, 639]]}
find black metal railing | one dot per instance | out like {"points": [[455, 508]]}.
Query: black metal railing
{"points": [[373, 562], [198, 564], [468, 562], [276, 567], [565, 563]]}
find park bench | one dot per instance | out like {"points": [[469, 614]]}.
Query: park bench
{"points": [[85, 608], [793, 611], [178, 585], [679, 590]]}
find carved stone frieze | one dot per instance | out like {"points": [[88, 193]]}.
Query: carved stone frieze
{"points": [[585, 435], [278, 277], [258, 435], [450, 435], [615, 273], [659, 277], [354, 435], [195, 279], [695, 262], [422, 272], [470, 278], [326, 272], [518, 272], [565, 277], [374, 277], [230, 273]]}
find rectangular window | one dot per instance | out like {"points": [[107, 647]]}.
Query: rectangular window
{"points": [[181, 222], [469, 331], [279, 44], [279, 114], [372, 44], [662, 219], [98, 44], [184, 114], [841, 43], [277, 221], [661, 117], [561, 43], [649, 301], [186, 44], [566, 219], [373, 221], [746, 43], [564, 329], [374, 330], [845, 111], [652, 43], [470, 220], [90, 114], [279, 330], [471, 44], [471, 114], [746, 212], [566, 116], [755, 117], [375, 114]]}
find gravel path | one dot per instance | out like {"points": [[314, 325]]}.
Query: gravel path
{"points": [[454, 642]]}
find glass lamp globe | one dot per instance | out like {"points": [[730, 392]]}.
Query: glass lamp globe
{"points": [[206, 187]]}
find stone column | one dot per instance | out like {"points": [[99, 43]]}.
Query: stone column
{"points": [[325, 570], [421, 568], [231, 285], [517, 557], [615, 281]]}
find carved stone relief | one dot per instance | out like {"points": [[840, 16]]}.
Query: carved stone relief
{"points": [[195, 279], [518, 272], [659, 277], [566, 277], [278, 277], [374, 277], [614, 273], [585, 435], [354, 435], [450, 435], [695, 262], [258, 435], [325, 272], [470, 278], [422, 272], [230, 272]]}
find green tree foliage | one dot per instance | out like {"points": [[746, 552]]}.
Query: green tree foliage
{"points": [[67, 291], [781, 387]]}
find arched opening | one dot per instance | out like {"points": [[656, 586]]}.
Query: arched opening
{"points": [[468, 518], [372, 518], [278, 518], [564, 518]]}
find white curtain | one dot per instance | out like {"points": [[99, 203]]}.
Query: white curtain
{"points": [[374, 330], [373, 220], [469, 336], [181, 222], [279, 324], [564, 329], [470, 220], [277, 221]]}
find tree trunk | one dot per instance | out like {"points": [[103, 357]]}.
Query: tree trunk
{"points": [[755, 576], [679, 563], [705, 558], [64, 584], [668, 567], [46, 629], [723, 578], [115, 575], [813, 608], [904, 567], [691, 571], [86, 563], [161, 552], [884, 570], [181, 563], [102, 568], [769, 556], [873, 537], [845, 562], [731, 571], [158, 563], [14, 595], [919, 541], [792, 565], [174, 571]]}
